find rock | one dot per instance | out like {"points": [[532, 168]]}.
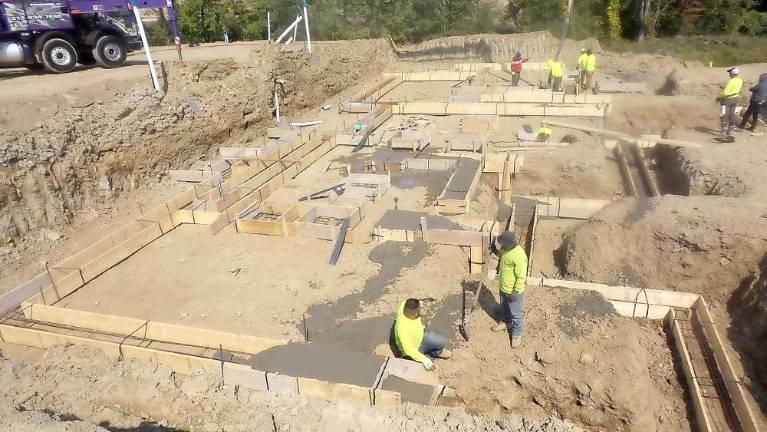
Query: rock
{"points": [[5, 251], [211, 427], [16, 368], [52, 235], [586, 358]]}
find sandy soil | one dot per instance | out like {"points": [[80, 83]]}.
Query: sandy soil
{"points": [[579, 361]]}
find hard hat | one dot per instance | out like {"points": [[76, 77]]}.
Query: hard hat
{"points": [[507, 239], [583, 50], [734, 71]]}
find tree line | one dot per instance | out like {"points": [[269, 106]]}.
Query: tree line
{"points": [[408, 21]]}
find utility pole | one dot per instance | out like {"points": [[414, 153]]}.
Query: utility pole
{"points": [[565, 27]]}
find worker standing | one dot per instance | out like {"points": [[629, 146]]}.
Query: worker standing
{"points": [[415, 341], [556, 69], [591, 67], [758, 97], [516, 68], [728, 100], [582, 66], [513, 269]]}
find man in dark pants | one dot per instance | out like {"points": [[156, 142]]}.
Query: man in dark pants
{"points": [[758, 96], [513, 276]]}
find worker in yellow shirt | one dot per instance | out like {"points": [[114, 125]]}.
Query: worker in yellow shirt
{"points": [[591, 67], [415, 341], [513, 275], [543, 134], [556, 70], [728, 100], [582, 66]]}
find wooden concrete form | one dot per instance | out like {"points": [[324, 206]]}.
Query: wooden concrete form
{"points": [[476, 67], [571, 208], [357, 135], [148, 332], [366, 186], [702, 420], [410, 140], [428, 163], [466, 141], [545, 96], [456, 197], [641, 142], [309, 226], [437, 75], [374, 92], [732, 382], [440, 108], [401, 225], [629, 301], [249, 221]]}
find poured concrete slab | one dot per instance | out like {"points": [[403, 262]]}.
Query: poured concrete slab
{"points": [[463, 177], [309, 360], [410, 391], [411, 220]]}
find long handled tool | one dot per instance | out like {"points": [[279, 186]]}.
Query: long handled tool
{"points": [[464, 328]]}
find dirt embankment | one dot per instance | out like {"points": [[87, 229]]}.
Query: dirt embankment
{"points": [[538, 46], [84, 388], [82, 157]]}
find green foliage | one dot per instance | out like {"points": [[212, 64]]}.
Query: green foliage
{"points": [[721, 50], [415, 20]]}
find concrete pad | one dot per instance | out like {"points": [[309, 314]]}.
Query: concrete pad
{"points": [[282, 384], [244, 376]]}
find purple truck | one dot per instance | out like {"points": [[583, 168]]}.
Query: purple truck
{"points": [[58, 34]]}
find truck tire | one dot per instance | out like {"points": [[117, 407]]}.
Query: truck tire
{"points": [[110, 51], [59, 55]]}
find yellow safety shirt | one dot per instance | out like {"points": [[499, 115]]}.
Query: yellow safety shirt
{"points": [[556, 68], [732, 89], [591, 63], [582, 61], [408, 334], [513, 270]]}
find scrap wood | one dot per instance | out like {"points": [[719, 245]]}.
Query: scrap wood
{"points": [[466, 318]]}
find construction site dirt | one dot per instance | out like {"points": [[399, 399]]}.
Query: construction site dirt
{"points": [[412, 223]]}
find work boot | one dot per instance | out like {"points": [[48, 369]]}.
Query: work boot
{"points": [[445, 354], [498, 327], [516, 341]]}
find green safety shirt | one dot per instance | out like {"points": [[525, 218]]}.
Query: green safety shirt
{"points": [[732, 89], [543, 130], [408, 334], [513, 270], [556, 68], [582, 61], [591, 63]]}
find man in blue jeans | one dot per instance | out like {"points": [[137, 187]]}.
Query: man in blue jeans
{"points": [[414, 340], [513, 276]]}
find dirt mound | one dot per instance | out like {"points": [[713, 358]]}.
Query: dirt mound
{"points": [[694, 244], [538, 46], [83, 156], [80, 383], [569, 345], [748, 309]]}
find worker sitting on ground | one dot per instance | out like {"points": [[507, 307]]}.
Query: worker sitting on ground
{"points": [[582, 66], [516, 68], [556, 70], [728, 100], [543, 134], [591, 67], [513, 269], [414, 340]]}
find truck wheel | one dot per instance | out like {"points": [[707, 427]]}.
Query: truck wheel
{"points": [[110, 51], [59, 55]]}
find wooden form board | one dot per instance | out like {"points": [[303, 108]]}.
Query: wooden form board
{"points": [[283, 226], [366, 186], [437, 75], [308, 228], [630, 295], [642, 142], [466, 141], [233, 374], [451, 202], [703, 422], [732, 382], [476, 67], [574, 208], [149, 329], [440, 108], [374, 92], [410, 140], [545, 97], [189, 176], [436, 236], [366, 125], [428, 163]]}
